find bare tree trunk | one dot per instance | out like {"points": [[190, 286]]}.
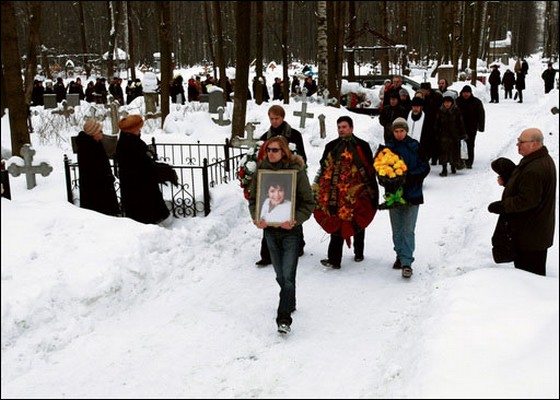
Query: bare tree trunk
{"points": [[455, 37], [207, 14], [351, 34], [243, 18], [285, 78], [220, 46], [165, 45], [259, 59], [468, 9], [383, 28], [82, 31], [12, 83], [475, 40], [322, 45], [34, 43], [112, 38]]}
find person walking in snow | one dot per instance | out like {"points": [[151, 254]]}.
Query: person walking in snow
{"points": [[403, 218], [283, 238]]}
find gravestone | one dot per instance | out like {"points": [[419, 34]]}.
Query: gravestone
{"points": [[73, 99], [49, 101], [215, 100], [203, 98], [150, 101], [446, 72], [250, 141], [322, 126], [109, 143], [221, 121], [28, 168]]}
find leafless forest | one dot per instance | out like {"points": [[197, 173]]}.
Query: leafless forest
{"points": [[39, 34]]}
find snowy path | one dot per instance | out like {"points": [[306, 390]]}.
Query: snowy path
{"points": [[357, 333]]}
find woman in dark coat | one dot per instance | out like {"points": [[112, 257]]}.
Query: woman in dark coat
{"points": [[519, 86], [97, 191], [141, 197], [450, 129]]}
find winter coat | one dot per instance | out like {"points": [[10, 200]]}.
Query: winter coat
{"points": [[97, 191], [450, 129], [494, 78], [293, 136], [529, 201], [508, 80], [520, 81], [305, 202], [417, 168], [141, 196], [548, 77], [473, 114]]}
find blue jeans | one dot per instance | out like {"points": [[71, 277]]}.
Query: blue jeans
{"points": [[284, 245], [403, 224]]}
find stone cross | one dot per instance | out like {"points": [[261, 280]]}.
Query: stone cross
{"points": [[28, 169], [303, 114], [303, 97], [326, 100], [221, 121], [250, 141], [322, 128], [66, 110]]}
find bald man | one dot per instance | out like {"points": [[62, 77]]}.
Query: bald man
{"points": [[529, 202]]}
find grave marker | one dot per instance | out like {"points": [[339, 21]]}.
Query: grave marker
{"points": [[28, 168], [250, 141], [221, 121], [303, 114], [322, 127], [49, 101], [215, 100], [73, 99]]}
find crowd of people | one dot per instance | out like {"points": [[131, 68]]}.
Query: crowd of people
{"points": [[344, 196]]}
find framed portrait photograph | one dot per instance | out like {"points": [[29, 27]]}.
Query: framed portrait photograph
{"points": [[276, 196]]}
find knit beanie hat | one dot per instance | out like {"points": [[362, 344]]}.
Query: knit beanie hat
{"points": [[131, 123], [466, 88], [403, 92], [400, 123], [91, 127], [425, 85]]}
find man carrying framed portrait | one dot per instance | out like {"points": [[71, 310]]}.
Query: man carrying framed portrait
{"points": [[280, 200]]}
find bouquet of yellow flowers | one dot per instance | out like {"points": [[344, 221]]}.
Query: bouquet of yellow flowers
{"points": [[391, 171]]}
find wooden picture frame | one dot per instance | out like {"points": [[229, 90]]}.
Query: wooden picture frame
{"points": [[269, 188]]}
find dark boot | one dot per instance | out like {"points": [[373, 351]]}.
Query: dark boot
{"points": [[453, 169], [443, 170]]}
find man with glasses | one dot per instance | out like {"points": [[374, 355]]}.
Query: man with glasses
{"points": [[529, 202]]}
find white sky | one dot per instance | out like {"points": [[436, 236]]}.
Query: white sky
{"points": [[101, 307]]}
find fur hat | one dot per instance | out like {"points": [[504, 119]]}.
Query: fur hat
{"points": [[425, 85], [131, 123], [503, 167], [417, 101], [400, 123], [91, 127]]}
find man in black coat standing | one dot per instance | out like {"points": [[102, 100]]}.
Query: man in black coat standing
{"points": [[548, 77], [529, 202], [473, 117]]}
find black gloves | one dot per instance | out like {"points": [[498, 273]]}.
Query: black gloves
{"points": [[496, 207]]}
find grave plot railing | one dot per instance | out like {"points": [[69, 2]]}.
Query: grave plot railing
{"points": [[198, 166]]}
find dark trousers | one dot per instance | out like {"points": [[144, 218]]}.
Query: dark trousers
{"points": [[531, 261], [284, 248], [265, 253], [494, 94], [337, 242], [470, 148]]}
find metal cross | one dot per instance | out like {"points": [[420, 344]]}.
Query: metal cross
{"points": [[221, 121], [303, 114]]}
